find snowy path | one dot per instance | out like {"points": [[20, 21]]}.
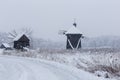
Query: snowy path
{"points": [[14, 68]]}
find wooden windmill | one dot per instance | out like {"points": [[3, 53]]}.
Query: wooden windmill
{"points": [[73, 37]]}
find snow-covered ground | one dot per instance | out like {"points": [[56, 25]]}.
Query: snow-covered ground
{"points": [[104, 63], [15, 68]]}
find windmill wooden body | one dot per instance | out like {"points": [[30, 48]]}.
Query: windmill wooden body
{"points": [[21, 41], [73, 37]]}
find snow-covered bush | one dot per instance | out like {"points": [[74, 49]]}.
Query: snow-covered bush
{"points": [[106, 62], [102, 74]]}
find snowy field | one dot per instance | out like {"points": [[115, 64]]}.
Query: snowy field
{"points": [[14, 68], [103, 64]]}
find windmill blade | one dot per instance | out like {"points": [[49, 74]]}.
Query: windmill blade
{"points": [[62, 32], [11, 35], [85, 37]]}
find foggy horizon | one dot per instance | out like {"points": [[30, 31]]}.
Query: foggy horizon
{"points": [[46, 18]]}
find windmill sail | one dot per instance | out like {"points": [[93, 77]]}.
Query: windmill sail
{"points": [[62, 32]]}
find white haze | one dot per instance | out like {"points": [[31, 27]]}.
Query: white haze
{"points": [[47, 17]]}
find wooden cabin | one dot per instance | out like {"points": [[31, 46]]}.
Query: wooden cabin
{"points": [[73, 38], [5, 46], [21, 41]]}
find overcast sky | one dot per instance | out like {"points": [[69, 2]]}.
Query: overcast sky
{"points": [[47, 17]]}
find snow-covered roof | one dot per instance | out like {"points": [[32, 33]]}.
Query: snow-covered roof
{"points": [[6, 44], [73, 30], [19, 36]]}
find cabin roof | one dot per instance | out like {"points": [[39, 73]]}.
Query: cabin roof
{"points": [[6, 45], [19, 36], [73, 30]]}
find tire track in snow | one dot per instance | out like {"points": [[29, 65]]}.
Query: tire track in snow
{"points": [[61, 73], [27, 73], [34, 69]]}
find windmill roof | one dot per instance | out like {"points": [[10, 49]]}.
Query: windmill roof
{"points": [[73, 30], [19, 36]]}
